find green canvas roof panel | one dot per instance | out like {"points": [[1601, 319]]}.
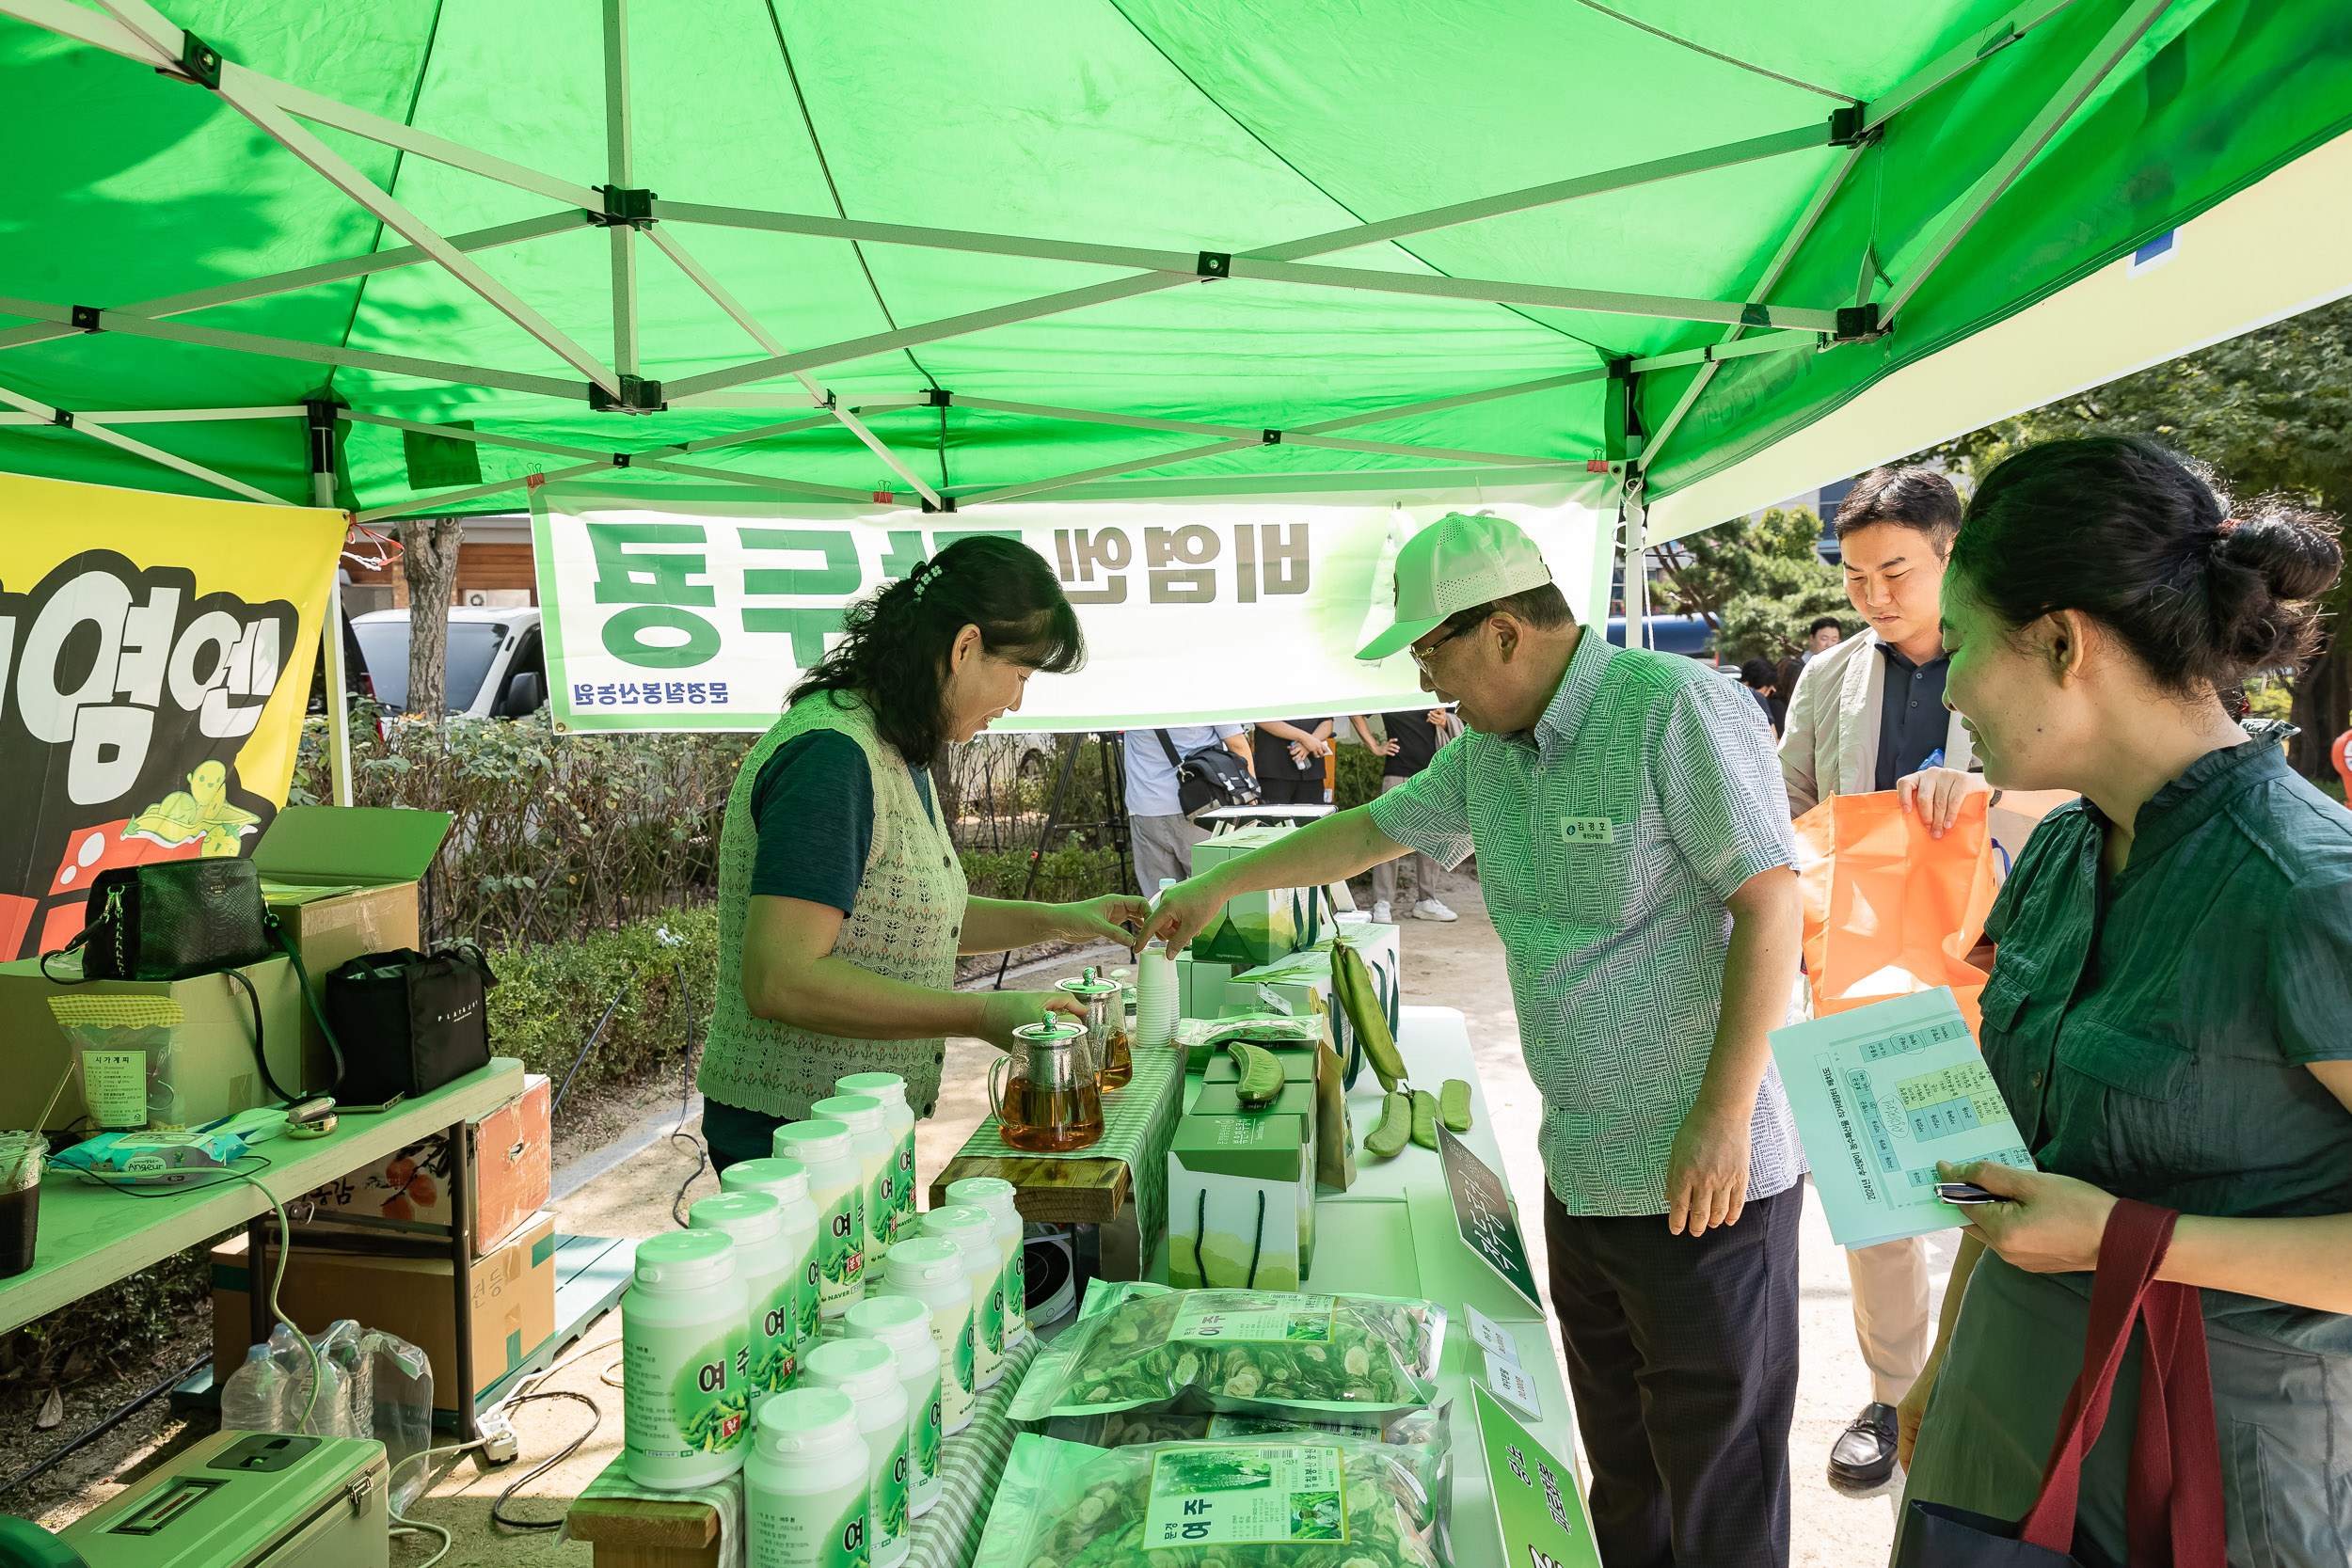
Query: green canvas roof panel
{"points": [[1215, 189]]}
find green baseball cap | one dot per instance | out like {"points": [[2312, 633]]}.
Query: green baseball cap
{"points": [[1455, 563]]}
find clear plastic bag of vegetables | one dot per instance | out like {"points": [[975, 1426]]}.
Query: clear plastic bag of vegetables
{"points": [[1314, 1502], [1141, 1347]]}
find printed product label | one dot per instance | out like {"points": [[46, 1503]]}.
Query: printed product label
{"points": [[951, 1331], [775, 1337], [924, 1429], [1244, 1494], [840, 1248], [809, 1290], [887, 1514], [1013, 1303], [881, 1210], [686, 1396], [825, 1530], [1301, 1320], [113, 1086], [988, 1329], [902, 1220]]}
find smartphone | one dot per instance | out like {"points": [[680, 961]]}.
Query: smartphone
{"points": [[1964, 1192]]}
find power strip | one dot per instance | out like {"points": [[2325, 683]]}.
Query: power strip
{"points": [[499, 1443]]}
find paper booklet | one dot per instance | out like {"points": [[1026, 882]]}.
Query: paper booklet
{"points": [[1880, 1094]]}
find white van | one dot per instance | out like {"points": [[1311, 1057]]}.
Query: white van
{"points": [[497, 665]]}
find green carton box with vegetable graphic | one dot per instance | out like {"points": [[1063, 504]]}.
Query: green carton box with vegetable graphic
{"points": [[1241, 1200]]}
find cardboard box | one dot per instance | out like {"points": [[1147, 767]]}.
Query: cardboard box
{"points": [[342, 881], [213, 1068], [507, 1178], [1257, 928], [514, 1301], [1253, 1179]]}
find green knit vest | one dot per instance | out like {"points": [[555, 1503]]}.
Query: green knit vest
{"points": [[904, 923]]}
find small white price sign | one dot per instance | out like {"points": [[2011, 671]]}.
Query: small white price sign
{"points": [[1489, 1335], [1510, 1380]]}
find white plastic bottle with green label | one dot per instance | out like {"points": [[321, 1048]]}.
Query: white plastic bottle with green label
{"points": [[807, 1483], [837, 1189], [685, 1362], [868, 1371], [930, 1270], [787, 1182], [904, 1324], [877, 1163], [899, 1119], [1000, 1199], [772, 1327], [975, 1234]]}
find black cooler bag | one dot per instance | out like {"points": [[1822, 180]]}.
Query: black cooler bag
{"points": [[409, 1021]]}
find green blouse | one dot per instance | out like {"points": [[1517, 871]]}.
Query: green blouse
{"points": [[2151, 1033]]}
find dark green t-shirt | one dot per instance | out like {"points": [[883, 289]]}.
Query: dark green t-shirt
{"points": [[814, 802], [2151, 1036]]}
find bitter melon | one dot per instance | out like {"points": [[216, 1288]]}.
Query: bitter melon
{"points": [[1425, 1118], [1352, 979], [1388, 1140], [1261, 1073], [1453, 1105]]}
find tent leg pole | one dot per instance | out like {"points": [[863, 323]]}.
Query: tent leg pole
{"points": [[322, 440]]}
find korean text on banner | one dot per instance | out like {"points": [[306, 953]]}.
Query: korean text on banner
{"points": [[155, 660], [671, 609]]}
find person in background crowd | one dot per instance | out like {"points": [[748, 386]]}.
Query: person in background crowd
{"points": [[1825, 632], [842, 902], [1634, 848], [1288, 755], [1760, 679], [1163, 835], [2167, 1015], [1868, 715], [1413, 738]]}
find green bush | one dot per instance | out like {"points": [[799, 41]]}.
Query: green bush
{"points": [[550, 994], [1357, 778]]}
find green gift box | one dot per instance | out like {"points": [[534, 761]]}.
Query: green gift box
{"points": [[1240, 1201]]}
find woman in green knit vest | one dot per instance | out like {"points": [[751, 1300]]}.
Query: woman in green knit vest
{"points": [[842, 904]]}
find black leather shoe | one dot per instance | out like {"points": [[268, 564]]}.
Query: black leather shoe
{"points": [[1864, 1455]]}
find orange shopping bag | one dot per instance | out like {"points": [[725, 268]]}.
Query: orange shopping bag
{"points": [[1889, 910]]}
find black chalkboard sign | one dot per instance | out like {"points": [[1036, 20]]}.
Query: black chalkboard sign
{"points": [[1481, 1207]]}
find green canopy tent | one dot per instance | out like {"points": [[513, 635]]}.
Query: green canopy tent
{"points": [[984, 251]]}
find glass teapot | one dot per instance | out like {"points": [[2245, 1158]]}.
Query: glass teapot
{"points": [[1107, 1026], [1045, 1094]]}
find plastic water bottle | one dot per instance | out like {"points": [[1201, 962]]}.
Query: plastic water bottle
{"points": [[254, 1399]]}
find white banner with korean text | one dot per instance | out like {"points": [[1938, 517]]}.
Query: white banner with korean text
{"points": [[670, 608]]}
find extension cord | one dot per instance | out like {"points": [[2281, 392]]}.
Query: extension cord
{"points": [[498, 1444]]}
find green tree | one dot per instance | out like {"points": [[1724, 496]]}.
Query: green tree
{"points": [[2270, 413], [1758, 582]]}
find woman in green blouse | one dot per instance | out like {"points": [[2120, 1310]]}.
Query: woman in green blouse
{"points": [[2170, 1017]]}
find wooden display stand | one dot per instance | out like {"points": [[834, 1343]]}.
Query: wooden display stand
{"points": [[624, 1532]]}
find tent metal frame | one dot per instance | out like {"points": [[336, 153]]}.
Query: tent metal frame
{"points": [[137, 30]]}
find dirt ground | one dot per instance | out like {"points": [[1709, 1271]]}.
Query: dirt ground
{"points": [[630, 1185]]}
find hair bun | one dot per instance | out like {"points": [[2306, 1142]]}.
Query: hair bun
{"points": [[2296, 555]]}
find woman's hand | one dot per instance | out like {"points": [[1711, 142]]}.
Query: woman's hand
{"points": [[1915, 1405], [2044, 1223], [1935, 794], [1003, 1011], [1114, 917]]}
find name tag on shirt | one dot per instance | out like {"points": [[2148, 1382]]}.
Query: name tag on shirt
{"points": [[1587, 829]]}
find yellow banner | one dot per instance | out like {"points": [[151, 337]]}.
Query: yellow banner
{"points": [[156, 662]]}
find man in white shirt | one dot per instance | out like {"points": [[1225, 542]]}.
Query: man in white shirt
{"points": [[1868, 714], [1161, 834]]}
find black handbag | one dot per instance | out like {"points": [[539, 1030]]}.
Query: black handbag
{"points": [[411, 1021], [175, 920], [1210, 778]]}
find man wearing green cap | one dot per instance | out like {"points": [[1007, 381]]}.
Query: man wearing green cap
{"points": [[1634, 843]]}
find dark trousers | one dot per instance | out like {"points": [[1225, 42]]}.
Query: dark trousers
{"points": [[1682, 1359], [1295, 789], [732, 1134]]}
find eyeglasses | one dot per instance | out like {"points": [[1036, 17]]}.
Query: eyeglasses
{"points": [[1420, 655]]}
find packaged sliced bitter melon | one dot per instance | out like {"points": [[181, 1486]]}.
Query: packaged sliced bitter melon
{"points": [[1142, 1347], [1299, 1500]]}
